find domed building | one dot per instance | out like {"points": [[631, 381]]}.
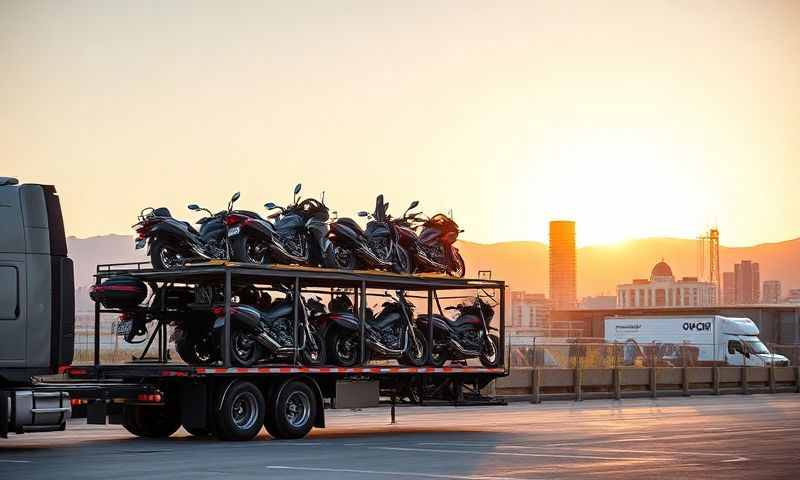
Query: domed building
{"points": [[662, 290]]}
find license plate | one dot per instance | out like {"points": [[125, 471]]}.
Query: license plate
{"points": [[124, 327], [140, 243], [234, 231]]}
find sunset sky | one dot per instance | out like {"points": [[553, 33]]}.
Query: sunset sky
{"points": [[643, 119]]}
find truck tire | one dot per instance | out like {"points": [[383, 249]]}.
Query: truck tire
{"points": [[151, 421], [292, 410], [242, 412]]}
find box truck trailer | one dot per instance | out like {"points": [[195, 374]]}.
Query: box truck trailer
{"points": [[714, 339]]}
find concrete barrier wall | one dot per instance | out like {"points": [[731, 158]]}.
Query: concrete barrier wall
{"points": [[560, 383]]}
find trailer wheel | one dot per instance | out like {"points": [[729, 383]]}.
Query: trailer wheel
{"points": [[293, 411], [151, 421], [242, 412]]}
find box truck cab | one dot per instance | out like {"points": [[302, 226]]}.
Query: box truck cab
{"points": [[37, 317], [714, 339]]}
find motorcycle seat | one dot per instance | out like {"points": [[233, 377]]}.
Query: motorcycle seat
{"points": [[350, 223], [162, 212], [277, 309], [459, 321]]}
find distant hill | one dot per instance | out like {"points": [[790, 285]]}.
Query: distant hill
{"points": [[523, 265]]}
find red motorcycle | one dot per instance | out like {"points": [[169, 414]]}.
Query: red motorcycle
{"points": [[433, 249]]}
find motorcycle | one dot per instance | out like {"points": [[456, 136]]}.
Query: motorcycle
{"points": [[376, 247], [389, 335], [466, 336], [299, 234], [266, 330], [171, 242], [433, 249]]}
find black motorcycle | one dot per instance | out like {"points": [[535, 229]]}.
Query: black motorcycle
{"points": [[432, 250], [266, 331], [389, 335], [466, 336], [171, 242], [377, 247], [299, 234]]}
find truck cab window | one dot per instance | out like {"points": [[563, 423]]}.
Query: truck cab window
{"points": [[734, 347], [9, 297]]}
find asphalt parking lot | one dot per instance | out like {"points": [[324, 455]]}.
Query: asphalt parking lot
{"points": [[755, 436]]}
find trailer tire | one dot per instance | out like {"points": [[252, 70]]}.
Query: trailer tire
{"points": [[151, 421], [242, 412], [293, 410]]}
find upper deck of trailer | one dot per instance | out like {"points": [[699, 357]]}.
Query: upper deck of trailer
{"points": [[307, 276]]}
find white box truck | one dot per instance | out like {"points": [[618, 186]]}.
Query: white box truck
{"points": [[713, 339]]}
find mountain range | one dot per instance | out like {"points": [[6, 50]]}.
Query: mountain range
{"points": [[524, 265]]}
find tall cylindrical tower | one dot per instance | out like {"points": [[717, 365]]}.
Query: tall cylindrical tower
{"points": [[562, 265]]}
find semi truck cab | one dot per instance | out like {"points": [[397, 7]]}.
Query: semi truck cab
{"points": [[740, 344], [37, 311]]}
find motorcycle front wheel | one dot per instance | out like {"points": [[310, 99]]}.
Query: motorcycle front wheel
{"points": [[314, 353], [402, 261], [417, 353], [457, 267], [490, 356]]}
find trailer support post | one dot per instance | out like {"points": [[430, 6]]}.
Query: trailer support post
{"points": [[362, 314], [96, 329], [295, 317], [226, 330], [429, 334]]}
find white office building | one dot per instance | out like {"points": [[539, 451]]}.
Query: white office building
{"points": [[662, 290]]}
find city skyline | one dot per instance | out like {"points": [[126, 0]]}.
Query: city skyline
{"points": [[635, 120]]}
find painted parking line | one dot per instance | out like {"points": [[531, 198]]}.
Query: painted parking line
{"points": [[520, 454], [731, 456], [392, 473], [15, 461]]}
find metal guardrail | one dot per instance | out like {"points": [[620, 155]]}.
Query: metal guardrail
{"points": [[537, 384]]}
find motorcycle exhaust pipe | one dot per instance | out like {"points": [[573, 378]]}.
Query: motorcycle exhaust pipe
{"points": [[287, 256], [463, 351], [370, 257]]}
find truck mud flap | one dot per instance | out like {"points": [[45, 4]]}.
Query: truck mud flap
{"points": [[5, 413]]}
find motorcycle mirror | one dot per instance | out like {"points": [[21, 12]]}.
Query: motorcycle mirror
{"points": [[270, 206], [362, 213], [297, 188], [193, 207], [413, 204], [235, 197]]}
